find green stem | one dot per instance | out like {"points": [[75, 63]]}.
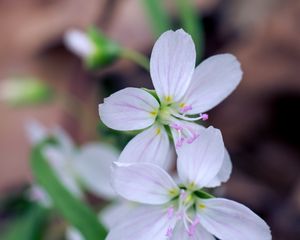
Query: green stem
{"points": [[136, 57], [158, 16]]}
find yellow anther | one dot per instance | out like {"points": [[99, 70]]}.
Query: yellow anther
{"points": [[192, 185], [174, 192], [168, 99], [201, 206], [188, 199], [154, 113], [181, 105], [158, 131]]}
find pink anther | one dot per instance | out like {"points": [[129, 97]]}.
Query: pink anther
{"points": [[186, 108], [204, 116]]}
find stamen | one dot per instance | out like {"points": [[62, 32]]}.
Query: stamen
{"points": [[184, 133], [176, 126], [169, 232], [191, 135], [204, 116], [170, 212], [183, 117], [185, 109], [192, 228], [179, 142], [180, 138]]}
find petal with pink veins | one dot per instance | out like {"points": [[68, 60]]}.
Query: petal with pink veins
{"points": [[229, 220], [144, 223], [143, 183], [151, 145], [129, 109], [172, 64], [213, 80], [199, 162]]}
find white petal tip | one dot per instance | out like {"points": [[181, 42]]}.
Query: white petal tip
{"points": [[78, 43]]}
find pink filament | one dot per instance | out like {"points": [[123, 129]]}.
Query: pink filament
{"points": [[186, 109], [192, 228], [169, 232]]}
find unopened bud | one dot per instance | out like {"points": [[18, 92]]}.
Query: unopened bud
{"points": [[24, 91], [93, 47]]}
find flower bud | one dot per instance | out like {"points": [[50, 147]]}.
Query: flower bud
{"points": [[24, 91], [93, 47]]}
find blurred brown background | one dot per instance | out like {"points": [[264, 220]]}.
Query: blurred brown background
{"points": [[260, 121]]}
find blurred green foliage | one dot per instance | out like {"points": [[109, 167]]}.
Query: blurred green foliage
{"points": [[158, 16], [29, 226], [25, 91], [73, 210], [116, 138], [106, 50], [188, 16]]}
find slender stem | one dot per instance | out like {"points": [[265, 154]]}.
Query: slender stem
{"points": [[136, 57], [158, 16]]}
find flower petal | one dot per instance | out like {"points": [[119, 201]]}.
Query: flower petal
{"points": [[229, 220], [199, 162], [64, 139], [180, 233], [151, 145], [35, 131], [129, 109], [143, 183], [213, 80], [92, 165], [37, 194], [79, 43], [144, 223], [116, 213], [172, 64], [224, 173], [73, 234]]}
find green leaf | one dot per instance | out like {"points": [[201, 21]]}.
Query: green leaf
{"points": [[191, 24], [106, 50], [158, 16], [203, 194], [30, 226], [78, 214]]}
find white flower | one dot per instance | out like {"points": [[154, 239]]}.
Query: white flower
{"points": [[110, 216], [183, 95], [88, 165], [184, 211], [37, 194]]}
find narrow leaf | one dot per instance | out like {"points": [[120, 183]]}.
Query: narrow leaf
{"points": [[30, 226], [158, 16], [78, 214]]}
